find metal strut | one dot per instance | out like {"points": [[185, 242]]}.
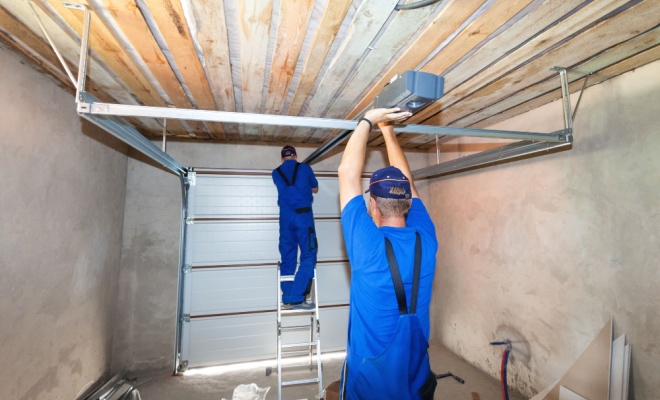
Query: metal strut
{"points": [[518, 149]]}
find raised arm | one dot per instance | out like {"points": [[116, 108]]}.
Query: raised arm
{"points": [[395, 153], [352, 161]]}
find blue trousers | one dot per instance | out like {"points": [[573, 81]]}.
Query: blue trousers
{"points": [[297, 232]]}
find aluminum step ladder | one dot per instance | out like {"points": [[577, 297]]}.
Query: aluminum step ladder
{"points": [[310, 348]]}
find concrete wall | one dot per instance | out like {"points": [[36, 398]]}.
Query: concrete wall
{"points": [[544, 251], [148, 281], [62, 209]]}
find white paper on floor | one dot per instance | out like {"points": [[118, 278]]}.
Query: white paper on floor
{"points": [[249, 392]]}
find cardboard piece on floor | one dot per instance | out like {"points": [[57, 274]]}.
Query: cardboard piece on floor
{"points": [[627, 353], [567, 394], [589, 376], [616, 376], [541, 395]]}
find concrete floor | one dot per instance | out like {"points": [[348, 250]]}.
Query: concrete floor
{"points": [[221, 385]]}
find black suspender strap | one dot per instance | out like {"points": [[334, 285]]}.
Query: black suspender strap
{"points": [[396, 275], [295, 174], [417, 272]]}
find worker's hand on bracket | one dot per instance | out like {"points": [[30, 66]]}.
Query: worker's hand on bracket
{"points": [[378, 115]]}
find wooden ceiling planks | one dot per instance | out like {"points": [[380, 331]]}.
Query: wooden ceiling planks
{"points": [[369, 19], [209, 19], [474, 35], [99, 82], [113, 54], [331, 20], [132, 23], [400, 30], [171, 21], [495, 55], [294, 16], [600, 37], [254, 18]]}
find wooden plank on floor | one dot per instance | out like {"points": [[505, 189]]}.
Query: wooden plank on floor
{"points": [[106, 46], [292, 26], [171, 21], [214, 44], [132, 23], [600, 37]]}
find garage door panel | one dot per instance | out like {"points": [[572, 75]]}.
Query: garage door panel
{"points": [[226, 290], [230, 282], [246, 242]]}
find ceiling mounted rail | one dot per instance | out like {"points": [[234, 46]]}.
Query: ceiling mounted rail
{"points": [[105, 115]]}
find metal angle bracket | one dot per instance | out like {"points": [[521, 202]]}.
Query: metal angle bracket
{"points": [[191, 178], [183, 366], [569, 113], [185, 318], [187, 268]]}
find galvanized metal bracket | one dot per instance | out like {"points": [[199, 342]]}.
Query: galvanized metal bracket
{"points": [[187, 268], [185, 318], [191, 178], [190, 220]]}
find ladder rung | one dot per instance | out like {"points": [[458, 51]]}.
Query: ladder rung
{"points": [[295, 327], [287, 278], [300, 382], [287, 346], [296, 311], [292, 352]]}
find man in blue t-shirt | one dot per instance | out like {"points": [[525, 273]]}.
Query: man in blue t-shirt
{"points": [[379, 363], [295, 184]]}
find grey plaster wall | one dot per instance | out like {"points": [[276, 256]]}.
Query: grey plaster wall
{"points": [[544, 251], [62, 210], [148, 280]]}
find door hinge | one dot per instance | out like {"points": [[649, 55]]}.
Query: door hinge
{"points": [[185, 318], [190, 220], [187, 268]]}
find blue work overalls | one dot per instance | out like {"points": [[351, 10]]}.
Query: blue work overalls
{"points": [[296, 231], [402, 370]]}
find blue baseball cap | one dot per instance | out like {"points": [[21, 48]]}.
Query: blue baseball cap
{"points": [[288, 151], [390, 183]]}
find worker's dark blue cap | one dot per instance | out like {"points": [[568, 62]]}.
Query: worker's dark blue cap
{"points": [[390, 183], [288, 151]]}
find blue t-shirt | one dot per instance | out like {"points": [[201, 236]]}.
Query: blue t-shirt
{"points": [[300, 194], [374, 311]]}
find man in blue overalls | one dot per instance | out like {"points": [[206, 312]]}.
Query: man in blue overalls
{"points": [[295, 184], [392, 252]]}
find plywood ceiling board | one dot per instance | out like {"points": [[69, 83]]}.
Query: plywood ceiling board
{"points": [[450, 18], [132, 23], [171, 21], [212, 37], [294, 16], [106, 46], [605, 34], [603, 60], [457, 90]]}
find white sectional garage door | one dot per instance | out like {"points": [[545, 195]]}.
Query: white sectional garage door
{"points": [[230, 284]]}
